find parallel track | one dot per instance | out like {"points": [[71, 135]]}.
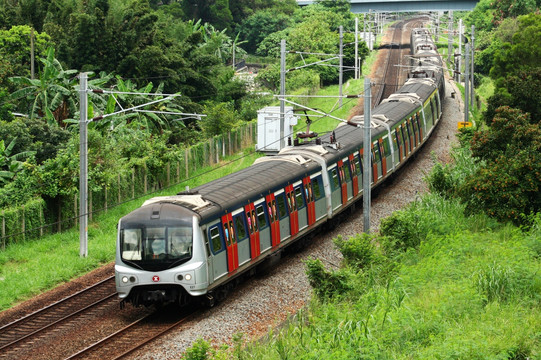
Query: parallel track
{"points": [[21, 332], [134, 336]]}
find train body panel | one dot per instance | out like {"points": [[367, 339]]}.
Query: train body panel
{"points": [[234, 223]]}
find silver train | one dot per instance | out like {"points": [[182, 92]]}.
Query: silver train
{"points": [[195, 244]]}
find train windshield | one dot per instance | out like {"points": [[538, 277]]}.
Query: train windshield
{"points": [[168, 245]]}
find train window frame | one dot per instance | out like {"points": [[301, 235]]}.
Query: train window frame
{"points": [[347, 171], [240, 217], [281, 205], [385, 148], [219, 236], [316, 187], [263, 206], [358, 164], [335, 180], [376, 152], [298, 190]]}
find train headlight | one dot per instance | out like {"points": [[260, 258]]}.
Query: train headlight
{"points": [[125, 279], [188, 277]]}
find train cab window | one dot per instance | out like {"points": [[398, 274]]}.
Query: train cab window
{"points": [[180, 242], [316, 184], [281, 201], [130, 242], [299, 199], [240, 226], [334, 178], [215, 239], [261, 216]]}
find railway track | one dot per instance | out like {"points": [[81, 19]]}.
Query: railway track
{"points": [[135, 335], [23, 332]]}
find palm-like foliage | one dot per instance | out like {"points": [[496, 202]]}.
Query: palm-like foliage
{"points": [[55, 94], [11, 164]]}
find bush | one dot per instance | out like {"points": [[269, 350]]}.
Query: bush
{"points": [[326, 284], [359, 251]]}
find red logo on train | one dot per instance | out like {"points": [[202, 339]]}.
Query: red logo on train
{"points": [[155, 278]]}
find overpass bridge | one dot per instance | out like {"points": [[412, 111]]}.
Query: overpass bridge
{"points": [[364, 6]]}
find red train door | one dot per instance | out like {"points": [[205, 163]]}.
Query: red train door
{"points": [[354, 178], [310, 204], [293, 213], [253, 229], [273, 218], [343, 184], [230, 242], [383, 157]]}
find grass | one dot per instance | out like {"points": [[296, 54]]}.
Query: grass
{"points": [[467, 292], [31, 267]]}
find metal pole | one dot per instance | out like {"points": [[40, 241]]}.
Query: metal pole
{"points": [[341, 70], [367, 166], [466, 85], [370, 45], [282, 90], [450, 37], [364, 29], [472, 82], [83, 172], [356, 48], [459, 49]]}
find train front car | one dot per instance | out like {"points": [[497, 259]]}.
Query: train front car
{"points": [[160, 254]]}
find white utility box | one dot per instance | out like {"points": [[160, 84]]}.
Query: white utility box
{"points": [[268, 128]]}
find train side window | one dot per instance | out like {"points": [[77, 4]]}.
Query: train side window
{"points": [[317, 188], [215, 240], [358, 165], [395, 141], [261, 217], [335, 181], [299, 198], [386, 146], [308, 192], [347, 171], [281, 201], [240, 225], [375, 151]]}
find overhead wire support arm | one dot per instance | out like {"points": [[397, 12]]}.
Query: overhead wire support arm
{"points": [[129, 109]]}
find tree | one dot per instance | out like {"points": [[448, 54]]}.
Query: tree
{"points": [[260, 25], [507, 185], [15, 52]]}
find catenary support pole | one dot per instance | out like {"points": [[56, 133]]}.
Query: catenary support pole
{"points": [[367, 171], [341, 66], [459, 58], [356, 48], [282, 89], [466, 81], [450, 37], [472, 82], [83, 173]]}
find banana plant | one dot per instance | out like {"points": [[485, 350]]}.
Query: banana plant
{"points": [[11, 164]]}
